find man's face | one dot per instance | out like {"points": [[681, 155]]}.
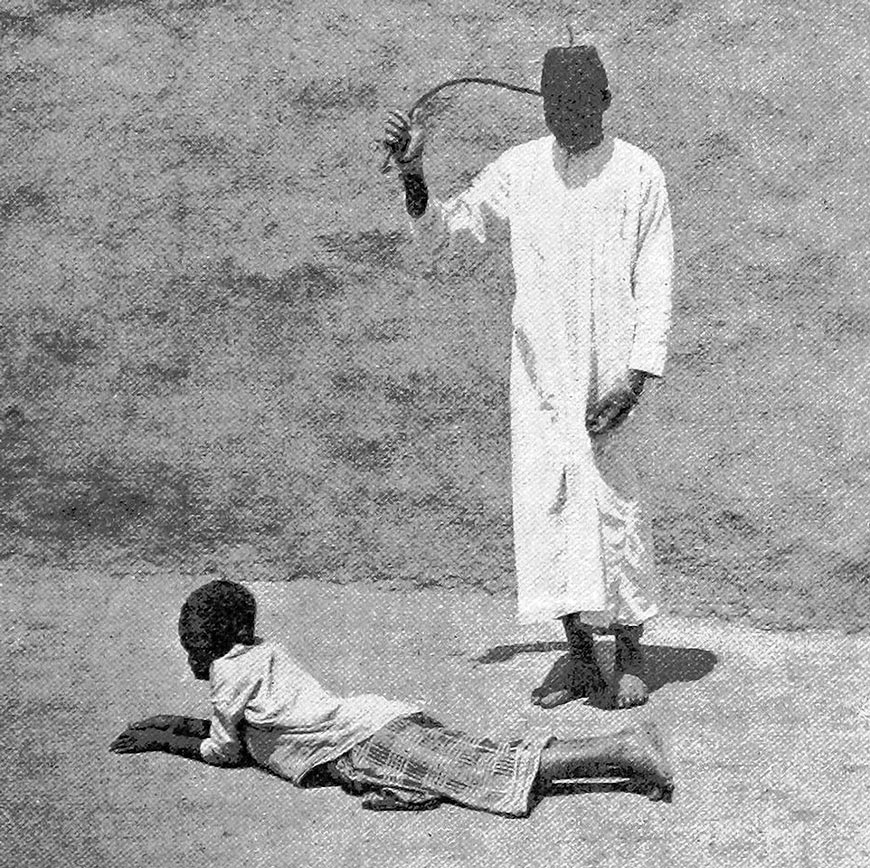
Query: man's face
{"points": [[573, 114], [574, 87]]}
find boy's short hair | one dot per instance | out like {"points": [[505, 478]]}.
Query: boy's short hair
{"points": [[220, 613]]}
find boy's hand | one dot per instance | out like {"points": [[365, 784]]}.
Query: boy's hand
{"points": [[138, 740]]}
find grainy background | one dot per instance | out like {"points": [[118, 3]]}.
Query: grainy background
{"points": [[217, 345], [219, 351]]}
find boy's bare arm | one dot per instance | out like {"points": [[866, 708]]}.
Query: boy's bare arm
{"points": [[174, 723], [181, 736], [142, 740]]}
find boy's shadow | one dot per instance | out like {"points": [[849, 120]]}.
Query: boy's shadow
{"points": [[664, 664]]}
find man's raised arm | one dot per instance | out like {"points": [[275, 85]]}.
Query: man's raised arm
{"points": [[488, 195], [405, 136]]}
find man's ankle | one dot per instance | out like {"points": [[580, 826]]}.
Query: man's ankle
{"points": [[581, 641], [628, 654]]}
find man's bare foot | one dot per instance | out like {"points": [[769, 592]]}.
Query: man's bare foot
{"points": [[629, 679], [571, 678], [577, 674], [628, 691]]}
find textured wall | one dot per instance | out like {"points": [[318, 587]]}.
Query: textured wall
{"points": [[217, 345]]}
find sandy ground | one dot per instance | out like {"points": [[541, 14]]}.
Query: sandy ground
{"points": [[769, 733]]}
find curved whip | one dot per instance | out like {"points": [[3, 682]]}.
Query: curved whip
{"points": [[471, 79], [466, 79]]}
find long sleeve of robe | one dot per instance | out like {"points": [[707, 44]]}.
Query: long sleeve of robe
{"points": [[592, 255]]}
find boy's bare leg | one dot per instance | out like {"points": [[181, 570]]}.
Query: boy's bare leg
{"points": [[576, 675], [634, 753], [629, 678]]}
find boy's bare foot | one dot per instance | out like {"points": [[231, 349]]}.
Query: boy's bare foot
{"points": [[634, 754], [645, 761]]}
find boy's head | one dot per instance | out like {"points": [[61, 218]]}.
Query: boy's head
{"points": [[213, 618]]}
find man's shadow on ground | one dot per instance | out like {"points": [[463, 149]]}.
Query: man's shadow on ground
{"points": [[664, 664]]}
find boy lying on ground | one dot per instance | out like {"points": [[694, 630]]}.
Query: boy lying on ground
{"points": [[266, 709]]}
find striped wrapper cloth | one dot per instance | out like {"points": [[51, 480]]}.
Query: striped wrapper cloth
{"points": [[414, 763]]}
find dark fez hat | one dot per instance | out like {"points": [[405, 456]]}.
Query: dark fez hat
{"points": [[572, 67]]}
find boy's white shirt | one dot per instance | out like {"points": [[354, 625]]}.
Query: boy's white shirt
{"points": [[264, 701]]}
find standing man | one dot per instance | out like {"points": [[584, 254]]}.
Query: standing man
{"points": [[592, 255]]}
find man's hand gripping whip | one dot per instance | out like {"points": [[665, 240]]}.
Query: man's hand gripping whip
{"points": [[396, 150]]}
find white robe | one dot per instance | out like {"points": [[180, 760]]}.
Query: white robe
{"points": [[592, 254]]}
